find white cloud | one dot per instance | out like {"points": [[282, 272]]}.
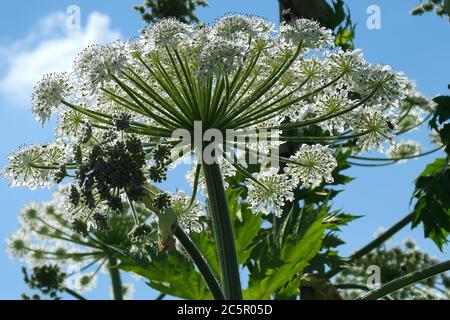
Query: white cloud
{"points": [[50, 47]]}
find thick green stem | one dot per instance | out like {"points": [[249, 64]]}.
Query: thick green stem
{"points": [[407, 280], [74, 294], [375, 243], [116, 281], [201, 264], [351, 286], [189, 246], [223, 231], [160, 297]]}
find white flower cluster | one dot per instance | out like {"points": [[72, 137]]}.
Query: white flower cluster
{"points": [[48, 94], [269, 192], [308, 32], [240, 26], [219, 55], [237, 74], [35, 166], [97, 64], [166, 33], [188, 215], [311, 165], [47, 237], [404, 149], [39, 240], [332, 102], [379, 127]]}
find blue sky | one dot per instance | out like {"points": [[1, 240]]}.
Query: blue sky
{"points": [[34, 41]]}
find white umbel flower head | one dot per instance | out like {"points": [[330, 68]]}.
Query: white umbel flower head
{"points": [[307, 31], [18, 244], [404, 149], [96, 65], [378, 127], [220, 56], [331, 102], [165, 33], [188, 215], [271, 193], [389, 86], [409, 121], [71, 125], [29, 215], [312, 165], [350, 64], [48, 94], [435, 138], [241, 26], [34, 166], [85, 282]]}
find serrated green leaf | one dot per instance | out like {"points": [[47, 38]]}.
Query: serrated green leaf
{"points": [[205, 243], [442, 111], [245, 232], [331, 240], [281, 266], [432, 208], [172, 274]]}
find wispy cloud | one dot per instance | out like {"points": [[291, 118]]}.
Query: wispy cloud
{"points": [[49, 47]]}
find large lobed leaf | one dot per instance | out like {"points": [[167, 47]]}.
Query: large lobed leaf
{"points": [[283, 260], [433, 201], [172, 274]]}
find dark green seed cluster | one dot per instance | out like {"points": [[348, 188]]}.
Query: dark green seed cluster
{"points": [[162, 201], [161, 156], [74, 196], [122, 121], [111, 167], [47, 279], [139, 233], [158, 173], [101, 222], [80, 227]]}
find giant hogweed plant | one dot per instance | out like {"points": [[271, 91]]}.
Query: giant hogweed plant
{"points": [[123, 106]]}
